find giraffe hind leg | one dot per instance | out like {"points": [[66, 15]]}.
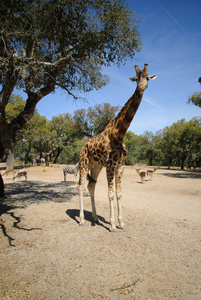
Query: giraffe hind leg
{"points": [[80, 187], [118, 178], [110, 179], [89, 178], [95, 171]]}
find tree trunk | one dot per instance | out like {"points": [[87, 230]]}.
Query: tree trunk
{"points": [[1, 179], [150, 163], [8, 132], [169, 162], [58, 153], [183, 160], [27, 154], [1, 187]]}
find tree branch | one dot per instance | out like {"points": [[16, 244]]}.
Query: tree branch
{"points": [[31, 61], [3, 48], [11, 77], [63, 87]]}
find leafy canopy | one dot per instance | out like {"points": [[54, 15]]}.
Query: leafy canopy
{"points": [[67, 38], [59, 43], [196, 97]]}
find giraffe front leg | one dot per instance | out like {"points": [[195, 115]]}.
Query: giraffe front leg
{"points": [[80, 191], [110, 179], [112, 219], [80, 187], [118, 177], [91, 189], [95, 171]]}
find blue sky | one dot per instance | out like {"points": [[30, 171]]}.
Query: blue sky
{"points": [[171, 36]]}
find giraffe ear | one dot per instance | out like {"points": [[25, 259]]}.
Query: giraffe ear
{"points": [[133, 78], [152, 77]]}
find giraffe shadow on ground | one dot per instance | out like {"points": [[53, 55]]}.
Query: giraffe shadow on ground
{"points": [[74, 214]]}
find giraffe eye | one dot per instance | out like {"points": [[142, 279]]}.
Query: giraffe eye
{"points": [[147, 78]]}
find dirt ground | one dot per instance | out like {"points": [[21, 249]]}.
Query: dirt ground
{"points": [[45, 254]]}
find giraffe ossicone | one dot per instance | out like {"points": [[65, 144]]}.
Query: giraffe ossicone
{"points": [[108, 150]]}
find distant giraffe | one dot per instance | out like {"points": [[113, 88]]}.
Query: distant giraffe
{"points": [[108, 150]]}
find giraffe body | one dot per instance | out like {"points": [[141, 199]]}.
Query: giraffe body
{"points": [[108, 150]]}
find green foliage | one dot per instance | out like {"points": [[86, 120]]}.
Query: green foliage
{"points": [[93, 120], [143, 149], [70, 155], [100, 115], [63, 137], [49, 44], [181, 141], [15, 106], [176, 145], [132, 144], [195, 99]]}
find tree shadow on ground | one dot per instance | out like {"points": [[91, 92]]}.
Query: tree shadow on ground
{"points": [[8, 210], [24, 193], [74, 214], [21, 194], [182, 174]]}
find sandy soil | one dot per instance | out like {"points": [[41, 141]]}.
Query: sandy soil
{"points": [[45, 254]]}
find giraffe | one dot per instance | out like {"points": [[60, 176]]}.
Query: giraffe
{"points": [[108, 150]]}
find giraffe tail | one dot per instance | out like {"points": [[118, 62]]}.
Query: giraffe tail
{"points": [[90, 178]]}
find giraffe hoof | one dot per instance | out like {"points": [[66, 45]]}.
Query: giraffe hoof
{"points": [[122, 227], [113, 230], [95, 220], [82, 224]]}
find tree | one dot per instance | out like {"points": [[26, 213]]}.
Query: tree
{"points": [[49, 44], [82, 126], [62, 134], [181, 141], [100, 115], [15, 106], [29, 134], [132, 145], [196, 97], [93, 120], [150, 147]]}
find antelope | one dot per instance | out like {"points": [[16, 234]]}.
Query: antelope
{"points": [[151, 172], [20, 174], [9, 171], [142, 174]]}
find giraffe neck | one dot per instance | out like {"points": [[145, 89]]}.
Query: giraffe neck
{"points": [[126, 115]]}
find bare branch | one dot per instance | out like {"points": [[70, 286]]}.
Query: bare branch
{"points": [[3, 48]]}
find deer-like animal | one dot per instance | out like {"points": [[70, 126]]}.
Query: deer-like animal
{"points": [[20, 174], [150, 172], [142, 174], [9, 171]]}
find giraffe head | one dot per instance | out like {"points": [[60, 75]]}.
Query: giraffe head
{"points": [[142, 78]]}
